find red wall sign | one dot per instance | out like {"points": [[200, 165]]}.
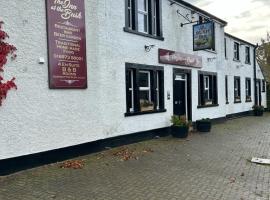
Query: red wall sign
{"points": [[178, 58], [66, 43]]}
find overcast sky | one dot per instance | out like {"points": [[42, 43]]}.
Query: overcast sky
{"points": [[247, 19]]}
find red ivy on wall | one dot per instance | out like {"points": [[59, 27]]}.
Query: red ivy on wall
{"points": [[6, 49]]}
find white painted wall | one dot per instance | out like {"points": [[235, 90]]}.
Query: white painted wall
{"points": [[36, 119]]}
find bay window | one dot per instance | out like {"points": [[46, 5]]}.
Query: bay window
{"points": [[144, 89]]}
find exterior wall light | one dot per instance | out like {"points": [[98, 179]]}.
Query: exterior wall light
{"points": [[148, 48]]}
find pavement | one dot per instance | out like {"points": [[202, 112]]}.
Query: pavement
{"points": [[212, 166]]}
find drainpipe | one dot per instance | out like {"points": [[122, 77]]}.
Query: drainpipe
{"points": [[255, 75]]}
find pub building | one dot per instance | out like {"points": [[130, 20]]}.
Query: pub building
{"points": [[94, 74]]}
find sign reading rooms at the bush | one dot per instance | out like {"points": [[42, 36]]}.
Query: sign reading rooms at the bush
{"points": [[66, 43]]}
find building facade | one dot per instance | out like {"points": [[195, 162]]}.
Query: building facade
{"points": [[136, 81]]}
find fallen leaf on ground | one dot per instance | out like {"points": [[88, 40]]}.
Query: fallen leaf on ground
{"points": [[243, 174], [125, 154], [148, 151], [72, 164], [232, 179]]}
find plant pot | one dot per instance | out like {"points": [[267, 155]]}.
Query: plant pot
{"points": [[258, 112], [179, 131], [203, 126]]}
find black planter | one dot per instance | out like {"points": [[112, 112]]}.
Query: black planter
{"points": [[179, 131], [258, 112], [203, 126]]}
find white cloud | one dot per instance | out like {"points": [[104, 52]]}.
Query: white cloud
{"points": [[247, 19]]}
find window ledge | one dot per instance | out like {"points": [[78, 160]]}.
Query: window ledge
{"points": [[237, 101], [143, 34], [210, 51], [247, 63], [208, 106], [235, 60], [145, 113], [248, 101]]}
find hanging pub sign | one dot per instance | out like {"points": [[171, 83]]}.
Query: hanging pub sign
{"points": [[203, 36], [66, 44], [178, 58]]}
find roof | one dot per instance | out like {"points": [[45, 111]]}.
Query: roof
{"points": [[240, 40], [201, 11]]}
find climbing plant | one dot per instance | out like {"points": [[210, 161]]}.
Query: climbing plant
{"points": [[6, 50]]}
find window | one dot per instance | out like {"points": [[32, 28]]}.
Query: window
{"points": [[225, 47], [236, 51], [144, 17], [226, 90], [144, 88], [207, 89], [248, 90], [237, 90], [263, 85], [247, 61]]}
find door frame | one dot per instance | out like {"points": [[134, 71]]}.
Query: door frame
{"points": [[177, 71]]}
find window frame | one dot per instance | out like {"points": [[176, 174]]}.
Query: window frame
{"points": [[226, 90], [236, 52], [156, 88], [263, 86], [247, 55], [213, 89], [248, 90], [154, 19], [236, 100]]}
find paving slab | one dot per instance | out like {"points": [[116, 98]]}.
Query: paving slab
{"points": [[212, 166]]}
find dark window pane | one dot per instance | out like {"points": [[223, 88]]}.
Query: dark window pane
{"points": [[143, 79]]}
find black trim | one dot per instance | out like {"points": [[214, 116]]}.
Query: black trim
{"points": [[151, 25], [154, 70], [237, 78], [238, 115], [237, 102], [249, 88], [12, 165], [145, 112], [143, 34], [213, 89], [208, 106], [226, 90], [189, 86]]}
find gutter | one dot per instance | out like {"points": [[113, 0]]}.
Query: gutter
{"points": [[255, 75]]}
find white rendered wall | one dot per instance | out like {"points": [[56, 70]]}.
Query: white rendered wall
{"points": [[36, 119]]}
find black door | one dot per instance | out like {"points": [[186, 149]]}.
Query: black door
{"points": [[179, 97]]}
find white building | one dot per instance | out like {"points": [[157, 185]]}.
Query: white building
{"points": [[37, 119]]}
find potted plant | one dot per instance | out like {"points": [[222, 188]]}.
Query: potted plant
{"points": [[180, 126], [204, 125], [258, 110]]}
